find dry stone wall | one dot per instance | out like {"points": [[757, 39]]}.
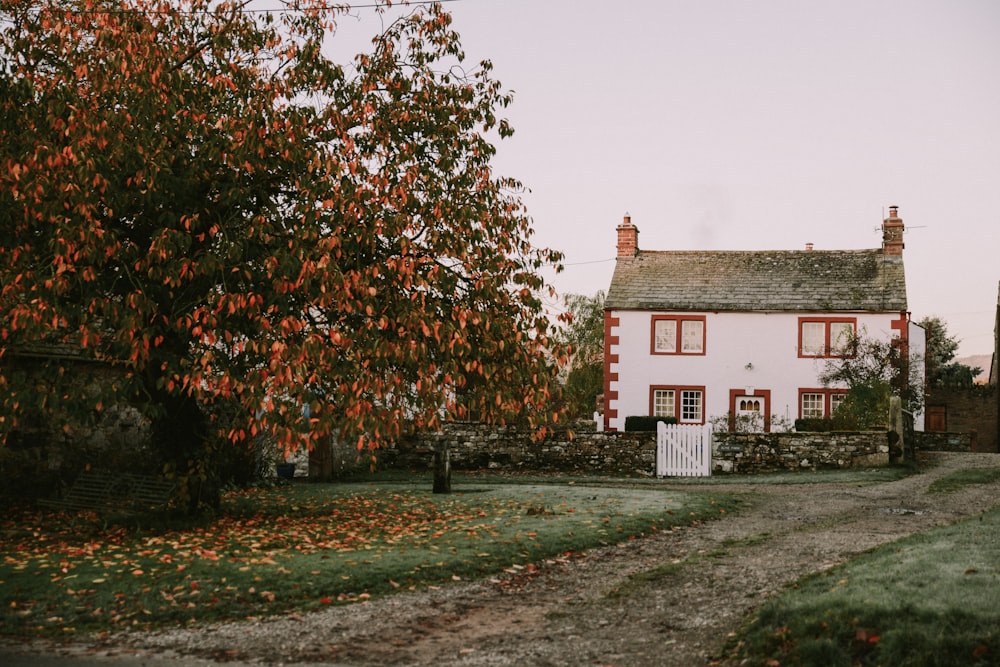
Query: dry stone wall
{"points": [[769, 452], [943, 442], [478, 447]]}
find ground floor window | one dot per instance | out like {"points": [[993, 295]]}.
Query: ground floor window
{"points": [[819, 403], [685, 404]]}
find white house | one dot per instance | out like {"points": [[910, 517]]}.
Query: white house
{"points": [[699, 335]]}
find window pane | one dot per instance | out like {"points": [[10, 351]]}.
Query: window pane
{"points": [[812, 405], [691, 406], [836, 400], [663, 403], [813, 338], [665, 332], [840, 336], [692, 336]]}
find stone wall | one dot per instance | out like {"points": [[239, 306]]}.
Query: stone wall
{"points": [[477, 447], [943, 442], [37, 461], [509, 448], [769, 452]]}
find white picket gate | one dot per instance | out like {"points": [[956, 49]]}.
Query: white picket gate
{"points": [[683, 450]]}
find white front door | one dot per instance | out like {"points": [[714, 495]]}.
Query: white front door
{"points": [[749, 414]]}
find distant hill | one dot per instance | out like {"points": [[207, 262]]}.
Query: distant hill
{"points": [[977, 360]]}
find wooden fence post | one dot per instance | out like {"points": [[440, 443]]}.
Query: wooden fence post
{"points": [[895, 430]]}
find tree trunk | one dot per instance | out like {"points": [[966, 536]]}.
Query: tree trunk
{"points": [[321, 462], [442, 470]]}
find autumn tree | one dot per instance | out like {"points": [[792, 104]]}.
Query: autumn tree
{"points": [[942, 370], [197, 194], [583, 337]]}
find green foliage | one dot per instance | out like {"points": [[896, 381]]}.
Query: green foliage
{"points": [[873, 370], [583, 336], [749, 423], [646, 423], [927, 601], [842, 420], [198, 197], [865, 406], [302, 547], [941, 348], [955, 375]]}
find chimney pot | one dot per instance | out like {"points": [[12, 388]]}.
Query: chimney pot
{"points": [[809, 247]]}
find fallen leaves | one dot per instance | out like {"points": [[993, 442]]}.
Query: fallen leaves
{"points": [[184, 569], [275, 550]]}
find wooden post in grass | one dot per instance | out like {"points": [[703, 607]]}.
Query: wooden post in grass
{"points": [[442, 469]]}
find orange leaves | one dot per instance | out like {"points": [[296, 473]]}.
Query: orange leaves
{"points": [[367, 241], [866, 636]]}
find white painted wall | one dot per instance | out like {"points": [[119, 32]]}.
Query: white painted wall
{"points": [[918, 356], [743, 349]]}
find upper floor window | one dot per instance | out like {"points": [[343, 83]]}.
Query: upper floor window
{"points": [[678, 335], [825, 336]]}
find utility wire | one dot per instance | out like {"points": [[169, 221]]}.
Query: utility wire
{"points": [[242, 10], [593, 261]]}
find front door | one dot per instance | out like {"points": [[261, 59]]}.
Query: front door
{"points": [[749, 414]]}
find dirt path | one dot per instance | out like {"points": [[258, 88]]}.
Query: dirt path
{"points": [[700, 583]]}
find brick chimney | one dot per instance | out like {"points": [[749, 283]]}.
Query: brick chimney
{"points": [[628, 238], [892, 233]]}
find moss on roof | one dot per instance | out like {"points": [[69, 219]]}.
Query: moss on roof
{"points": [[772, 280]]}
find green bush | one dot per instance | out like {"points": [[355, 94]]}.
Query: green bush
{"points": [[815, 424], [646, 423], [841, 421]]}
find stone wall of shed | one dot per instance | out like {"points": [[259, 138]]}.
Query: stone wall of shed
{"points": [[36, 461]]}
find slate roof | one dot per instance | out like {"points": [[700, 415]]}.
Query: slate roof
{"points": [[772, 280]]}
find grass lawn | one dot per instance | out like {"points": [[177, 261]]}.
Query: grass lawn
{"points": [[302, 546], [930, 600]]}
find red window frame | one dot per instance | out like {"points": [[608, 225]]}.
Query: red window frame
{"points": [[827, 352], [677, 389], [827, 399], [763, 394], [678, 346]]}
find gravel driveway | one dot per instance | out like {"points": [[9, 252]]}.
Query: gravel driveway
{"points": [[583, 610]]}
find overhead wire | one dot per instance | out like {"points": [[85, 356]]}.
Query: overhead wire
{"points": [[345, 6]]}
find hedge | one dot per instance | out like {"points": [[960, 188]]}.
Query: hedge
{"points": [[644, 423]]}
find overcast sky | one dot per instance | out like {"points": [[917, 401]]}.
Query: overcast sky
{"points": [[765, 124]]}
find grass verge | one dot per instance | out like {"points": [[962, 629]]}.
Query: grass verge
{"points": [[303, 546], [962, 478], [929, 600]]}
